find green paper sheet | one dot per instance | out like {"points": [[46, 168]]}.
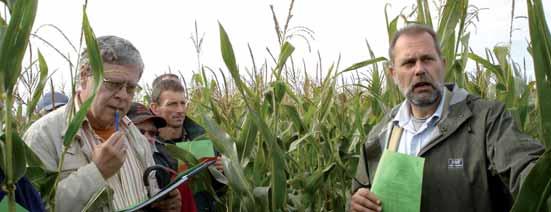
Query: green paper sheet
{"points": [[398, 182], [199, 149], [4, 205]]}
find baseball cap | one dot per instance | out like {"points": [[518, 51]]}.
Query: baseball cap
{"points": [[51, 101], [138, 113]]}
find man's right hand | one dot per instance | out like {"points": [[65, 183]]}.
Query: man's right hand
{"points": [[364, 200], [110, 155]]}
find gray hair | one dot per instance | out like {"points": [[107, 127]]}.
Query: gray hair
{"points": [[113, 50], [413, 29]]}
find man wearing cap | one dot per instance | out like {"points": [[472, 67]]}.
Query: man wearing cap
{"points": [[50, 101], [103, 166], [149, 126]]}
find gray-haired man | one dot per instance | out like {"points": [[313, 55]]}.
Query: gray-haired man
{"points": [[107, 158]]}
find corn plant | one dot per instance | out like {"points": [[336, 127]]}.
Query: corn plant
{"points": [[294, 148], [14, 38], [536, 190]]}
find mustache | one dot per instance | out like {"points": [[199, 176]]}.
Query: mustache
{"points": [[423, 80]]}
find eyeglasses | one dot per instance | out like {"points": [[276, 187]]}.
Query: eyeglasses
{"points": [[118, 85], [152, 133]]}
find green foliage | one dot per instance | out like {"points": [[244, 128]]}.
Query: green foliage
{"points": [[292, 143], [39, 88], [536, 190], [14, 38], [312, 133]]}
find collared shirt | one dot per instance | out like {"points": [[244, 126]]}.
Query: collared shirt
{"points": [[412, 141], [127, 184]]}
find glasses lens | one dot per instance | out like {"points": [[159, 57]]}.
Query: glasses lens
{"points": [[112, 86], [116, 86]]}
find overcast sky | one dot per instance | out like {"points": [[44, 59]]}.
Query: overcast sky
{"points": [[161, 30]]}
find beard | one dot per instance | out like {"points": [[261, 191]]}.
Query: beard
{"points": [[424, 98]]}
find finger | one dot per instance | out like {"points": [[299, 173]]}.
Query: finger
{"points": [[94, 145], [371, 196], [361, 199], [113, 138], [366, 193], [120, 143], [363, 204], [360, 208]]}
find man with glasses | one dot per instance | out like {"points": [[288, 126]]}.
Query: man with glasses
{"points": [[168, 100], [102, 168]]}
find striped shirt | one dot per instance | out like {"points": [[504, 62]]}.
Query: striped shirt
{"points": [[127, 184]]}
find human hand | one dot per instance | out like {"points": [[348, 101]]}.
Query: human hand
{"points": [[172, 202], [219, 165], [110, 155], [365, 201]]}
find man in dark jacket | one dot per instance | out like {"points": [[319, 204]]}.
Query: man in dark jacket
{"points": [[168, 100], [475, 157]]}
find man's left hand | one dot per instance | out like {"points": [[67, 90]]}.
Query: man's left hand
{"points": [[172, 202], [218, 164]]}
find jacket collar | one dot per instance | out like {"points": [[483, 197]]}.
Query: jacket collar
{"points": [[190, 131], [454, 114], [458, 112]]}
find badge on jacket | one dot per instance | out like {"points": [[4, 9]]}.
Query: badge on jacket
{"points": [[454, 163]]}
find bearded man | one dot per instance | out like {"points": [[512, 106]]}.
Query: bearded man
{"points": [[475, 158]]}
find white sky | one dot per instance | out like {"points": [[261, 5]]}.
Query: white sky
{"points": [[161, 30]]}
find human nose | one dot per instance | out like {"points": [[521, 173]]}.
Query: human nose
{"points": [[122, 92], [419, 68]]}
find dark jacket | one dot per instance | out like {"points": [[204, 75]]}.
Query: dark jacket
{"points": [[495, 157], [191, 131]]}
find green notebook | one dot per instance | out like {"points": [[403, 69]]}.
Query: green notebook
{"points": [[199, 149], [4, 205], [398, 182]]}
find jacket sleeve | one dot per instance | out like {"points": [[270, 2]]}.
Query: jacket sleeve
{"points": [[78, 183], [511, 153]]}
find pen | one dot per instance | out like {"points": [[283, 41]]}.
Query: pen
{"points": [[116, 120]]}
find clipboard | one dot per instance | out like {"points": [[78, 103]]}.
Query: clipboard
{"points": [[179, 179]]}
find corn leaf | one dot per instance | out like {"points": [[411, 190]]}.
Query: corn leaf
{"points": [[536, 188], [541, 47], [19, 160], [278, 175], [40, 87], [96, 64], [286, 51], [363, 64], [533, 193], [224, 143], [15, 41], [423, 13]]}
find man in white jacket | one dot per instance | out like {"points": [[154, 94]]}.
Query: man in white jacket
{"points": [[103, 166]]}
